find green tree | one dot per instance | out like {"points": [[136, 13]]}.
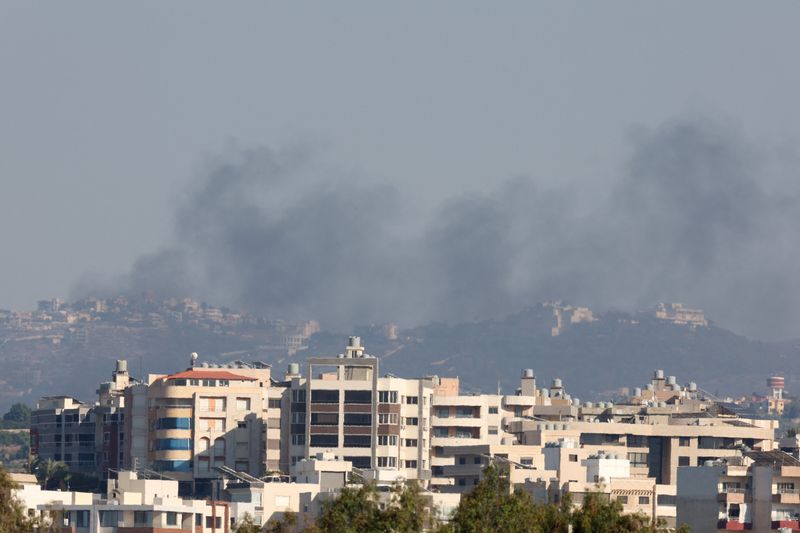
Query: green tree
{"points": [[599, 515], [19, 412], [285, 524], [355, 510], [492, 506], [247, 525], [51, 474], [12, 514], [408, 511]]}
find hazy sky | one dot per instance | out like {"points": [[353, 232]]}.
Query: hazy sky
{"points": [[111, 113]]}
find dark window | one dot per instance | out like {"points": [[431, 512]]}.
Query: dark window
{"points": [[325, 440], [684, 441], [325, 419], [684, 461], [174, 423], [357, 441], [357, 396], [493, 410], [637, 441], [573, 458], [412, 400], [172, 518], [667, 499], [324, 396], [638, 459], [357, 419], [644, 500], [359, 462]]}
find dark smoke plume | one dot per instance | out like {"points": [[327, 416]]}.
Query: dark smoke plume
{"points": [[694, 217]]}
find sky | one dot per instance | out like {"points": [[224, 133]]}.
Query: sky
{"points": [[368, 161]]}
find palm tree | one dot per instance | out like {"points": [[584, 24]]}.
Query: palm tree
{"points": [[51, 474]]}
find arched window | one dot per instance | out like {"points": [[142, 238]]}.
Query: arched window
{"points": [[203, 446], [219, 450]]}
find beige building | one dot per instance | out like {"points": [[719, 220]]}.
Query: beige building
{"points": [[759, 492], [209, 417]]}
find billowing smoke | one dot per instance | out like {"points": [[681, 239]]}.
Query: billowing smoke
{"points": [[697, 215]]}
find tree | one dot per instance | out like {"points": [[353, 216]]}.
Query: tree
{"points": [[355, 510], [18, 417], [408, 511], [491, 506], [12, 514], [285, 524], [247, 525], [599, 515], [51, 474]]}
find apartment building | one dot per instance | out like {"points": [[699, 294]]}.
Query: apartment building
{"points": [[343, 406], [129, 504], [210, 416], [759, 491], [64, 429]]}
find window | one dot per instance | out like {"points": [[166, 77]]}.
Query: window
{"points": [[412, 421], [462, 460], [325, 440], [82, 518], [441, 432], [667, 499], [209, 382], [143, 518], [518, 411], [298, 439], [684, 460], [325, 419], [622, 499], [173, 444], [274, 403], [493, 410], [212, 424], [411, 464], [172, 518], [684, 441], [324, 396], [359, 462], [573, 458], [637, 459], [387, 396], [174, 423], [198, 519], [636, 441], [109, 519], [387, 462], [387, 440], [357, 419], [387, 418], [464, 412], [412, 400], [242, 404], [212, 403], [298, 395], [644, 500], [492, 430], [357, 396], [241, 424], [242, 466], [411, 443], [357, 441], [219, 447], [298, 418], [443, 412], [172, 466], [462, 482], [784, 488], [476, 460], [526, 461], [214, 522]]}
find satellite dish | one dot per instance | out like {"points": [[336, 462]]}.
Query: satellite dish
{"points": [[194, 357]]}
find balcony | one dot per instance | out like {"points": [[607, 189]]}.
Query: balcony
{"points": [[732, 495], [794, 525], [791, 496], [733, 525]]}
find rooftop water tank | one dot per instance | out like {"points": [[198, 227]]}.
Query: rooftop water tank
{"points": [[659, 374], [527, 373]]}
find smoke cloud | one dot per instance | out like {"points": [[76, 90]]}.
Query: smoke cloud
{"points": [[698, 215]]}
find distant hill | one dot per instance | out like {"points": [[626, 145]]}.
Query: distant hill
{"points": [[593, 358]]}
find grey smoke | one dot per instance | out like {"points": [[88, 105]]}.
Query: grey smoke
{"points": [[696, 216]]}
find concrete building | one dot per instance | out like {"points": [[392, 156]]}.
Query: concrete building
{"points": [[759, 491], [130, 504], [210, 416], [342, 406]]}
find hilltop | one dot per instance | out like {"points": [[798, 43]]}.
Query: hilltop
{"points": [[70, 348]]}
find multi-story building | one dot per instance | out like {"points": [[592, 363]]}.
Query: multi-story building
{"points": [[64, 429], [210, 416], [89, 439], [343, 406], [759, 491]]}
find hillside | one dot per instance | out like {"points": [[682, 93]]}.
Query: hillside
{"points": [[593, 358]]}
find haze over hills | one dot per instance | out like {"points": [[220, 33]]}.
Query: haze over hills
{"points": [[70, 348]]}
